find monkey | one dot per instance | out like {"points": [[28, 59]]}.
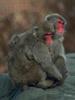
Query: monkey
{"points": [[55, 25], [29, 61]]}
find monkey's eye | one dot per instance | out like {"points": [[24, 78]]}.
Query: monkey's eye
{"points": [[60, 21]]}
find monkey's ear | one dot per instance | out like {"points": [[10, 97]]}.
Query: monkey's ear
{"points": [[35, 30]]}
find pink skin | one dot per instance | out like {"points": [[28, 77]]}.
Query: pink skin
{"points": [[60, 27], [48, 38], [59, 31]]}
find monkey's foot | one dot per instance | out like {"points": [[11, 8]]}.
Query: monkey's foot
{"points": [[45, 84]]}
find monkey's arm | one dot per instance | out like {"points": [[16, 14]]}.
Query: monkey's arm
{"points": [[42, 56], [61, 60]]}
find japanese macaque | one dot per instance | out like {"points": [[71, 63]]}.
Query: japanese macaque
{"points": [[29, 61], [54, 36], [34, 61]]}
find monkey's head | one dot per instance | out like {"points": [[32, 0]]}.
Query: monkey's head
{"points": [[56, 24]]}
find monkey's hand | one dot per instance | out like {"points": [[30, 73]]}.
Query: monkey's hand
{"points": [[61, 65]]}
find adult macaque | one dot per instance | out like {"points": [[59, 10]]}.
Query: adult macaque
{"points": [[55, 26], [29, 60]]}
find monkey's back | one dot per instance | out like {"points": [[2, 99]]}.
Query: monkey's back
{"points": [[21, 68]]}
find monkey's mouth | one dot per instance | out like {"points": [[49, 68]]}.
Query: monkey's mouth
{"points": [[48, 38]]}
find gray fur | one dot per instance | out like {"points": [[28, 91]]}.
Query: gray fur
{"points": [[30, 61]]}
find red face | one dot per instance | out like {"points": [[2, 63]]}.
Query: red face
{"points": [[59, 31], [60, 27], [48, 38]]}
